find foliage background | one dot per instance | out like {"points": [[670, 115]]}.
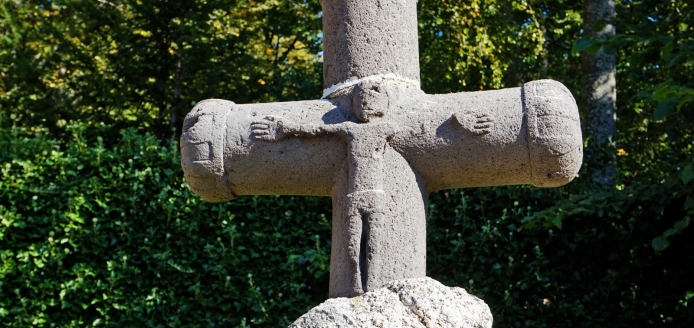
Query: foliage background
{"points": [[97, 226]]}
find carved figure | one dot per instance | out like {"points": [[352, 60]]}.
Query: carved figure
{"points": [[367, 142]]}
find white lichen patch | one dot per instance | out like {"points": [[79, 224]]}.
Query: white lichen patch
{"points": [[336, 89]]}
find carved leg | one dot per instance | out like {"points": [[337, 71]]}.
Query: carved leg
{"points": [[354, 247], [367, 207], [395, 235], [372, 244], [347, 254]]}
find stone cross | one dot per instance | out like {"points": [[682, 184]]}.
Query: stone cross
{"points": [[379, 145]]}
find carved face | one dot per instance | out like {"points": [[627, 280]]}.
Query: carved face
{"points": [[369, 101]]}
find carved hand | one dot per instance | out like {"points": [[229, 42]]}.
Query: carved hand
{"points": [[474, 124], [272, 128]]}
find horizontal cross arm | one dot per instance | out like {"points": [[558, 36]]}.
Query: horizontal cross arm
{"points": [[528, 135], [224, 156]]}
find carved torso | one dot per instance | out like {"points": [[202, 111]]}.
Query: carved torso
{"points": [[367, 143]]}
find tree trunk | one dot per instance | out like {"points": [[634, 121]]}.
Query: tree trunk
{"points": [[512, 76], [599, 93]]}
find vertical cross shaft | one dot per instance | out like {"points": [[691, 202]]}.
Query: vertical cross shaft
{"points": [[369, 37], [379, 234]]}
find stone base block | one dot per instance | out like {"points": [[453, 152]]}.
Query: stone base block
{"points": [[421, 302]]}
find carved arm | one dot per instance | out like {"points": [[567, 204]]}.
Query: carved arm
{"points": [[273, 128]]}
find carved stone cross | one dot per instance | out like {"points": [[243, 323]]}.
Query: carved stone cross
{"points": [[379, 145]]}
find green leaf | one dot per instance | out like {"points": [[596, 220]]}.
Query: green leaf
{"points": [[593, 48], [645, 94], [681, 224], [688, 174], [660, 243], [674, 60], [557, 222], [682, 102], [609, 50], [665, 39], [581, 44], [667, 50], [662, 91], [599, 25], [179, 267], [663, 109]]}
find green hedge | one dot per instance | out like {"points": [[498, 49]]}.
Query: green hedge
{"points": [[96, 235]]}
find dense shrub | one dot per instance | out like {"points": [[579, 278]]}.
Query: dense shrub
{"points": [[96, 236], [111, 236]]}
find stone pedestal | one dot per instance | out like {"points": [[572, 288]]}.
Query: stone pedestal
{"points": [[420, 302]]}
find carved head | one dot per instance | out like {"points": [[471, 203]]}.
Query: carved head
{"points": [[369, 101]]}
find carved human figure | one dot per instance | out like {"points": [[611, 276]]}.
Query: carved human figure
{"points": [[367, 142]]}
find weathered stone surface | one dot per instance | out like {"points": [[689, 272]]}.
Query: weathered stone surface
{"points": [[379, 145], [421, 302], [364, 38]]}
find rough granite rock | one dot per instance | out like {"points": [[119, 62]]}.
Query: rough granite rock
{"points": [[421, 302]]}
